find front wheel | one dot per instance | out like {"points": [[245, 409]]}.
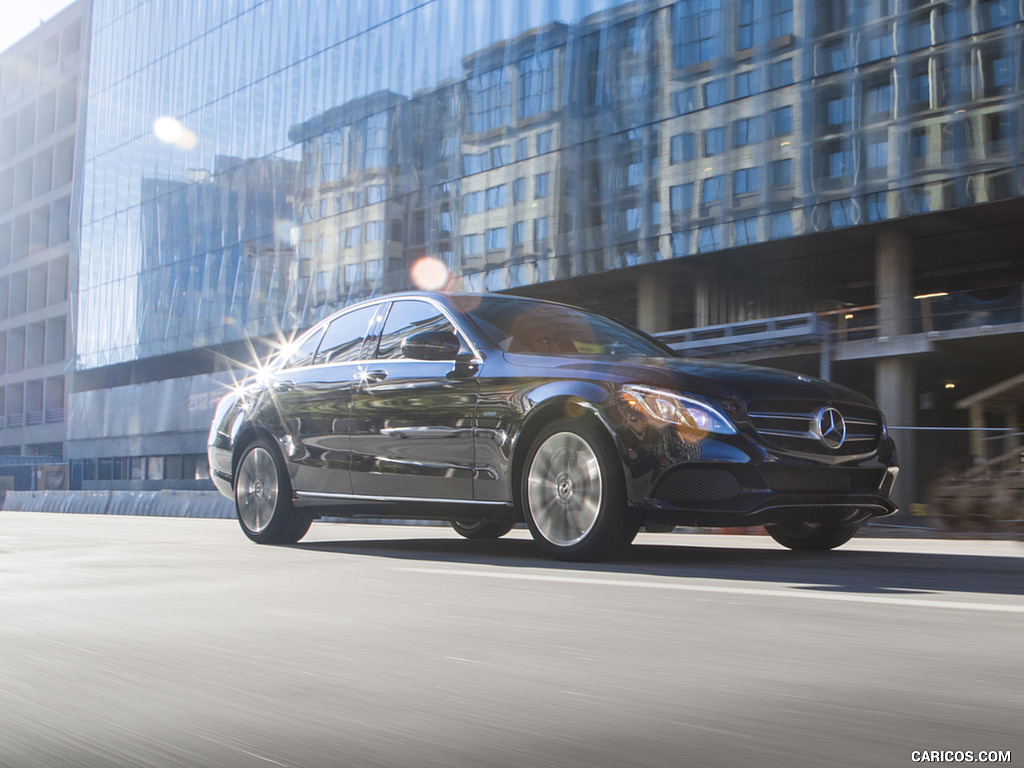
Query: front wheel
{"points": [[808, 536], [573, 495], [263, 498], [481, 529]]}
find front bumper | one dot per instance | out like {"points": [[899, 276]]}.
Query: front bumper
{"points": [[735, 480]]}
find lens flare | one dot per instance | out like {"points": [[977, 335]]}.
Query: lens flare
{"points": [[171, 131], [429, 274]]}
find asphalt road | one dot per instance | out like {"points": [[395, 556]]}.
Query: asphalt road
{"points": [[138, 642]]}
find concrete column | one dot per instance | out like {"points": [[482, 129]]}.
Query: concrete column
{"points": [[653, 303], [976, 418], [701, 301], [1011, 420], [896, 395], [894, 283]]}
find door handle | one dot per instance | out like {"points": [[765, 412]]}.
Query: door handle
{"points": [[370, 377], [284, 386]]}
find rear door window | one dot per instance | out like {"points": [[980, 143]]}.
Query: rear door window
{"points": [[343, 341], [304, 353]]}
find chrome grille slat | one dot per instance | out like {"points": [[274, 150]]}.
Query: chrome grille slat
{"points": [[789, 424]]}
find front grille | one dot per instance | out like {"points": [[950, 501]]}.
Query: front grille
{"points": [[789, 425], [820, 479], [696, 484]]}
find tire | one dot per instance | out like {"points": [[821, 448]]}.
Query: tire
{"points": [[481, 529], [807, 537], [263, 497], [573, 496]]}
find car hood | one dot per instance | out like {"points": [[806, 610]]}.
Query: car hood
{"points": [[720, 381]]}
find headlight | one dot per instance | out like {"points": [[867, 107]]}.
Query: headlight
{"points": [[679, 409]]}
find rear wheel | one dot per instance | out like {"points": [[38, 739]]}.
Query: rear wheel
{"points": [[263, 498], [808, 536], [573, 495], [481, 529]]}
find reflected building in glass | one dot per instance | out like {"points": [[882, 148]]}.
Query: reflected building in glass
{"points": [[678, 165], [41, 81]]}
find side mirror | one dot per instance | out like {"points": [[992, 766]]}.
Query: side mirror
{"points": [[432, 345]]}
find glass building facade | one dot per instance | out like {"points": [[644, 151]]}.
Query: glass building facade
{"points": [[251, 166], [312, 154], [40, 99]]}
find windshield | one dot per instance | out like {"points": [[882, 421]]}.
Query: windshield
{"points": [[537, 328]]}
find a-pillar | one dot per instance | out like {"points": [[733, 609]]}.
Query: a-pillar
{"points": [[895, 384], [653, 303]]}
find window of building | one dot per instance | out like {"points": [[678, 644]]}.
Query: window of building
{"points": [[747, 83], [919, 31], [716, 92], [878, 207], [355, 236], [519, 233], [472, 202], [680, 203], [375, 231], [712, 191], [496, 197], [780, 20], [714, 141], [780, 73], [918, 145], [841, 213], [536, 84], [745, 26], [1000, 132], [540, 233], [878, 157], [993, 14], [920, 87], [685, 101], [878, 100], [745, 231], [475, 163], [709, 238], [500, 155], [522, 148], [472, 245], [780, 225], [696, 31], [837, 111], [780, 173], [780, 121], [879, 43], [998, 75], [489, 105], [375, 153], [838, 162], [519, 190], [747, 131], [497, 238], [540, 185], [544, 142], [682, 146], [746, 181]]}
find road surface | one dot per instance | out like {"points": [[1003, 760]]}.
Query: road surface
{"points": [[131, 641]]}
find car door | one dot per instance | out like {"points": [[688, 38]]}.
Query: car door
{"points": [[320, 401], [412, 420]]}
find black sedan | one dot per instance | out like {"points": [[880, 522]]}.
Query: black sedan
{"points": [[488, 410]]}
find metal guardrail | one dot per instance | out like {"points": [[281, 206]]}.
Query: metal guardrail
{"points": [[934, 312], [752, 334]]}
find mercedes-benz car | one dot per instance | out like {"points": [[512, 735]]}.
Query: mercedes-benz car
{"points": [[490, 410]]}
